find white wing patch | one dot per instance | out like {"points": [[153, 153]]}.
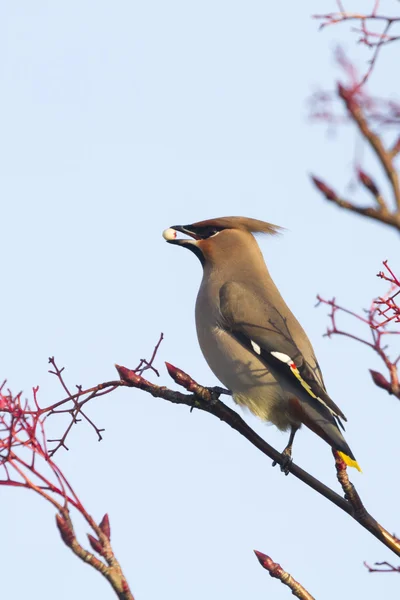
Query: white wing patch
{"points": [[290, 362], [255, 347], [282, 357]]}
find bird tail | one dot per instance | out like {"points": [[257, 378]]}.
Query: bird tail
{"points": [[351, 462], [335, 438], [324, 424]]}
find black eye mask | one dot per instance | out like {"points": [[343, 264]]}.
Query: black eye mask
{"points": [[202, 233]]}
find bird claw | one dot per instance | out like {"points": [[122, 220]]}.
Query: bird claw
{"points": [[212, 400], [286, 462], [214, 396]]}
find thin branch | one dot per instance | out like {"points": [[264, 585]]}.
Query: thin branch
{"points": [[112, 572], [360, 513], [377, 330], [372, 39], [367, 211], [389, 568], [82, 397], [23, 433], [375, 142], [148, 364], [390, 308]]}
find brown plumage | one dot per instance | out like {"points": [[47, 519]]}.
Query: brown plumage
{"points": [[241, 223], [251, 340]]}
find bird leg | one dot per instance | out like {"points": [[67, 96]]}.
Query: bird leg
{"points": [[287, 453]]}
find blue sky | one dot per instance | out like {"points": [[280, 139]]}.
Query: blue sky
{"points": [[118, 120]]}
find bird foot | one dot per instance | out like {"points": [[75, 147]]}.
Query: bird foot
{"points": [[286, 462], [213, 398], [214, 395]]}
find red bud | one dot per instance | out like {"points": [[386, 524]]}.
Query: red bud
{"points": [[275, 570], [105, 526], [261, 556], [171, 369], [380, 380], [368, 182], [96, 545], [327, 191], [128, 375], [65, 529], [179, 376]]}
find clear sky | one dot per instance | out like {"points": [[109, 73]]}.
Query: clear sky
{"points": [[119, 119]]}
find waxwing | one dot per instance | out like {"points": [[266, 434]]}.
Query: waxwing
{"points": [[249, 337]]}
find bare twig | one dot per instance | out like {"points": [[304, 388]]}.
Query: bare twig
{"points": [[26, 463], [377, 331], [389, 568], [148, 364], [384, 216], [372, 39], [388, 306], [385, 157], [375, 142], [82, 397], [370, 115]]}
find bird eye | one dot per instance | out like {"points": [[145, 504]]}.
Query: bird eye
{"points": [[203, 232], [209, 232]]}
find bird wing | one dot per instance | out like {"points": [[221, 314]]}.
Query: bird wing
{"points": [[265, 331]]}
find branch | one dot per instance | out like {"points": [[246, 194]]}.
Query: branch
{"points": [[80, 398], [390, 308], [25, 462], [360, 513], [370, 115], [372, 39], [377, 331], [381, 214], [22, 428], [384, 156], [101, 545], [275, 570], [206, 399], [389, 568]]}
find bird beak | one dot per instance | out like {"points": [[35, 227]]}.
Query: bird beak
{"points": [[170, 235]]}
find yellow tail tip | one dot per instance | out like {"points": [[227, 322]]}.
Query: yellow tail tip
{"points": [[349, 461]]}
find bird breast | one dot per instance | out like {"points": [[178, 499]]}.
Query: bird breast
{"points": [[251, 382]]}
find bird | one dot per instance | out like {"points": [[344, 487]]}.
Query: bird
{"points": [[249, 337]]}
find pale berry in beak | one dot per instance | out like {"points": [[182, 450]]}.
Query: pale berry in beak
{"points": [[169, 234]]}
